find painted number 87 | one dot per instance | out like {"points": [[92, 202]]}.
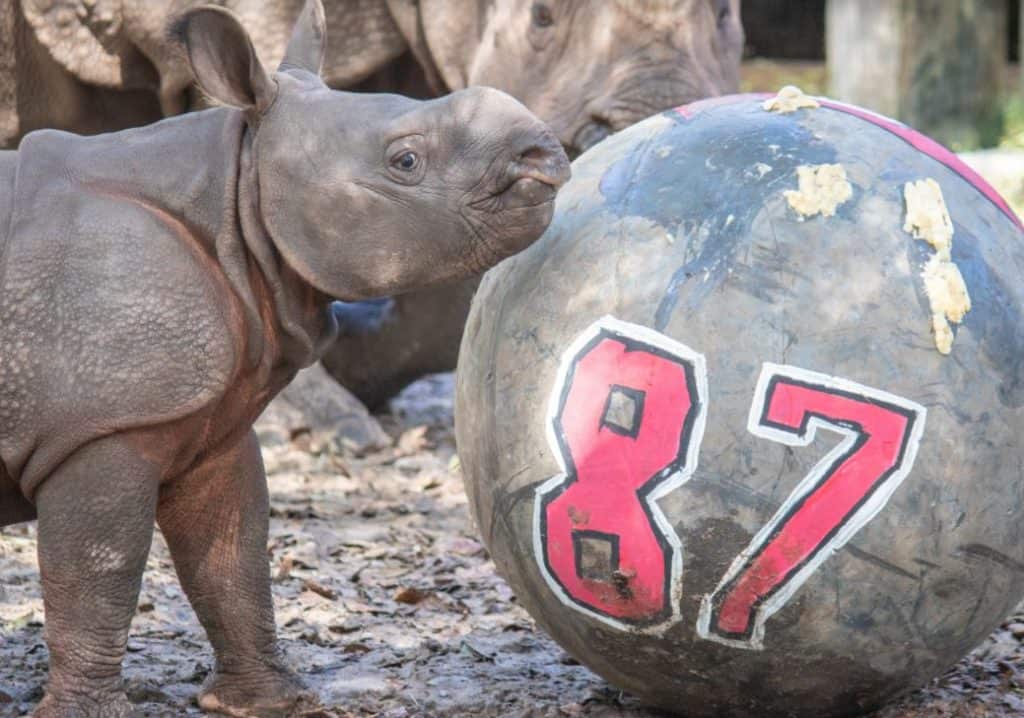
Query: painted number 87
{"points": [[626, 419]]}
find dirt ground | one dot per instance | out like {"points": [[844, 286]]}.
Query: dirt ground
{"points": [[388, 604]]}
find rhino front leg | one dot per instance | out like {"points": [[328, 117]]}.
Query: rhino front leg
{"points": [[215, 522], [95, 527]]}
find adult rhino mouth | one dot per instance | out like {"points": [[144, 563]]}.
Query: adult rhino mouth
{"points": [[587, 136]]}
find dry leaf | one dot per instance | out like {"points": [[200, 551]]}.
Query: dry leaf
{"points": [[409, 595], [320, 589]]}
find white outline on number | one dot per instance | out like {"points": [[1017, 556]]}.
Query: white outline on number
{"points": [[627, 330], [867, 511]]}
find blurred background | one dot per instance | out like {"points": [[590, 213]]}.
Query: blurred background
{"points": [[950, 68]]}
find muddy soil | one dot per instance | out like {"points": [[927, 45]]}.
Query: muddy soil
{"points": [[388, 605]]}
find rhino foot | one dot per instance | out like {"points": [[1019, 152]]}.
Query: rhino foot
{"points": [[116, 706], [247, 696]]}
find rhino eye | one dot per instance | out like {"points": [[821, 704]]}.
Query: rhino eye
{"points": [[541, 15], [406, 159], [406, 162]]}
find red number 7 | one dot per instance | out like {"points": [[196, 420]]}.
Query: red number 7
{"points": [[844, 491]]}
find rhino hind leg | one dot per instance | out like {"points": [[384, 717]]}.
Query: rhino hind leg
{"points": [[95, 527], [215, 520]]}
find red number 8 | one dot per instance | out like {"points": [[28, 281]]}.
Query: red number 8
{"points": [[625, 421]]}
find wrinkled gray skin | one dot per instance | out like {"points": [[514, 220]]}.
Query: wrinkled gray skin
{"points": [[586, 67], [158, 286]]}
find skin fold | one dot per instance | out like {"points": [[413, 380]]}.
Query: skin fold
{"points": [[159, 285]]}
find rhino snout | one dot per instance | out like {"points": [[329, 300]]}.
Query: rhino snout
{"points": [[544, 162], [538, 167], [520, 200]]}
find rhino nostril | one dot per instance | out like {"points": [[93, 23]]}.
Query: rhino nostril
{"points": [[534, 154], [542, 163]]}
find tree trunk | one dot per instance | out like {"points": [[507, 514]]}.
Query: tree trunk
{"points": [[934, 64]]}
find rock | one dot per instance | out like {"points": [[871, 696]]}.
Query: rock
{"points": [[279, 423], [141, 691], [409, 465], [428, 401], [315, 403], [356, 687]]}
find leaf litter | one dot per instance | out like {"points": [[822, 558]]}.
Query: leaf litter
{"points": [[389, 607]]}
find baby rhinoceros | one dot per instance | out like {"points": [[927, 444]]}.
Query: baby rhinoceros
{"points": [[158, 286]]}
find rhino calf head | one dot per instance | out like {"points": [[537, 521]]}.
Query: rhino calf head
{"points": [[366, 195]]}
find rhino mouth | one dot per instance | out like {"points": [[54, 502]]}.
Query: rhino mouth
{"points": [[519, 205], [528, 183], [528, 192]]}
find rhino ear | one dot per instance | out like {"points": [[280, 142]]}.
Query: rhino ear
{"points": [[223, 60], [309, 40]]}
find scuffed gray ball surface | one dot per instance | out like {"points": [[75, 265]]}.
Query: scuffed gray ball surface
{"points": [[707, 429]]}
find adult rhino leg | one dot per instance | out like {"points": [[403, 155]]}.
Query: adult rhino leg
{"points": [[215, 522], [95, 526], [384, 347]]}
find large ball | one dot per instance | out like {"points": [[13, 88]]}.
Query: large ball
{"points": [[743, 430]]}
